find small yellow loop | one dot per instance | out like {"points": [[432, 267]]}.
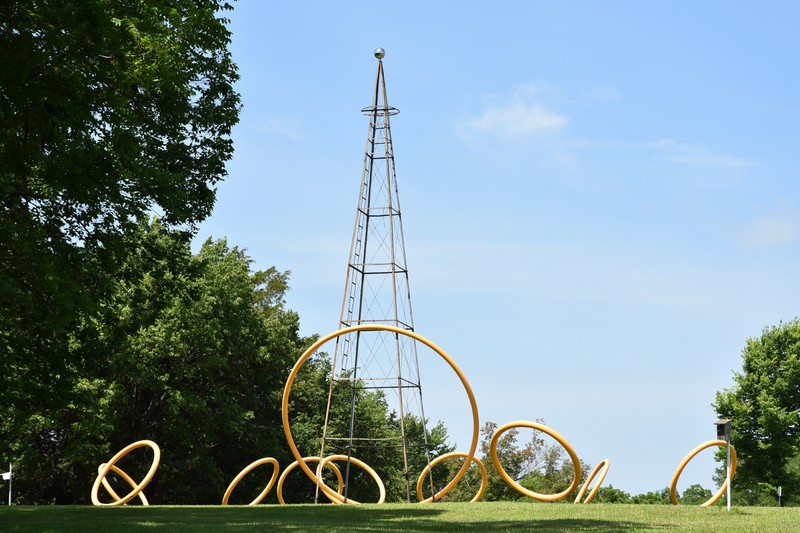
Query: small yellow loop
{"points": [[605, 463], [673, 488], [245, 471], [107, 467], [357, 462], [124, 476], [428, 468], [312, 459]]}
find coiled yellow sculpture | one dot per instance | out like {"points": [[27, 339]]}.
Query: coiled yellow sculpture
{"points": [[105, 468]]}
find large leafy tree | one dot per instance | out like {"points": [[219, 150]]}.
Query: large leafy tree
{"points": [[108, 109], [764, 406], [191, 351]]}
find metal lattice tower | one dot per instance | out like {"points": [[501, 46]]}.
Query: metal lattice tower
{"points": [[377, 291]]}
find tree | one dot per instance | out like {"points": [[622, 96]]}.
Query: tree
{"points": [[610, 494], [660, 497], [695, 495], [420, 455], [190, 352], [763, 406], [108, 109]]}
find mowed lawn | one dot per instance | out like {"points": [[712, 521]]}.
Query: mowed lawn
{"points": [[440, 517]]}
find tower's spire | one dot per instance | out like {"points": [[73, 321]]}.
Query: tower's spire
{"points": [[377, 291]]}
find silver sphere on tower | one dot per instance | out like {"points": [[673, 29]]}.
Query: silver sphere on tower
{"points": [[380, 53]]}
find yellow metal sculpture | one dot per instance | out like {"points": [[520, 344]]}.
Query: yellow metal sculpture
{"points": [[357, 462], [516, 486], [264, 460], [377, 327], [604, 464], [312, 459], [121, 473], [336, 496], [111, 465], [673, 488], [484, 475]]}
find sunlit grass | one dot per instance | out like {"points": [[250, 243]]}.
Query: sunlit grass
{"points": [[442, 517]]}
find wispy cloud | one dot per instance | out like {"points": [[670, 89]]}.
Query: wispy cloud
{"points": [[517, 119], [667, 150], [772, 230], [285, 127], [522, 114], [689, 154]]}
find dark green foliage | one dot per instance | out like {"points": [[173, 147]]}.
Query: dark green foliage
{"points": [[660, 497], [108, 109], [180, 354], [609, 494], [764, 406], [695, 495]]}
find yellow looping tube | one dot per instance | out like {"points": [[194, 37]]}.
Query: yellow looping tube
{"points": [[245, 471], [104, 470], [673, 487], [605, 464], [357, 462], [516, 486], [377, 327], [484, 475], [123, 475], [312, 459]]}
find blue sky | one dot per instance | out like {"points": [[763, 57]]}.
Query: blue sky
{"points": [[601, 201]]}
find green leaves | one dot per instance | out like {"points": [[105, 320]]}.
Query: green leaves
{"points": [[764, 406], [108, 110]]}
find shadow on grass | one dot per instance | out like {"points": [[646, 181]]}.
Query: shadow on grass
{"points": [[304, 518]]}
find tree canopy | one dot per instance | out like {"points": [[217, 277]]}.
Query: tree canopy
{"points": [[108, 110], [764, 406], [190, 351]]}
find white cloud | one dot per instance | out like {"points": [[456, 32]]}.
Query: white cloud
{"points": [[772, 230], [517, 119], [689, 154], [288, 128], [519, 115]]}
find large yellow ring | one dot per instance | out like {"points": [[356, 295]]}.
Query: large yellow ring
{"points": [[516, 486], [484, 475], [103, 472], [362, 464], [378, 327], [123, 475], [673, 488], [605, 463], [245, 471], [292, 466]]}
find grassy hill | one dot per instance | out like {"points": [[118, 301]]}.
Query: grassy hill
{"points": [[440, 518]]}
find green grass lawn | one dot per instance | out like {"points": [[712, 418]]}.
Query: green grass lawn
{"points": [[440, 517]]}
